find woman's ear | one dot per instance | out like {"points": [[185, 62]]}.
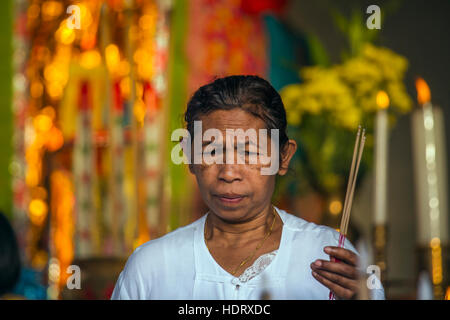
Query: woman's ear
{"points": [[286, 156]]}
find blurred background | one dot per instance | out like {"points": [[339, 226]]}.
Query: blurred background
{"points": [[91, 91]]}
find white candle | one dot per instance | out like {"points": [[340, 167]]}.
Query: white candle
{"points": [[381, 158], [424, 287], [430, 170]]}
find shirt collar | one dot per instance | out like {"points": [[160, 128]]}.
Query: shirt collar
{"points": [[207, 268]]}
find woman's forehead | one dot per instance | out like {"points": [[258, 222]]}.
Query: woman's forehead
{"points": [[231, 119]]}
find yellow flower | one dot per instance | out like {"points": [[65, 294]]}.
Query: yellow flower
{"points": [[310, 104], [290, 94], [346, 91], [399, 97], [368, 102], [293, 117], [359, 70], [342, 97], [392, 65], [349, 119]]}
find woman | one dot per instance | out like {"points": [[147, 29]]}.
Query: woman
{"points": [[244, 247]]}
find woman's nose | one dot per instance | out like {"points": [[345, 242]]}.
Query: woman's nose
{"points": [[229, 173]]}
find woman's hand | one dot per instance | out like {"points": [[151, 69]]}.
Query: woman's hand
{"points": [[340, 277]]}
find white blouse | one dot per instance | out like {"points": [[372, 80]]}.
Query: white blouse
{"points": [[180, 266]]}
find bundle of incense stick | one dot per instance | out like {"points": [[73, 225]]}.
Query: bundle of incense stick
{"points": [[357, 154]]}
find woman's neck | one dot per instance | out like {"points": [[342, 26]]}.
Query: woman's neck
{"points": [[233, 234]]}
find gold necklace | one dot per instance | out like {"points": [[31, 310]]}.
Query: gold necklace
{"points": [[257, 247]]}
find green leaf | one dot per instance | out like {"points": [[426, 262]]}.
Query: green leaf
{"points": [[319, 55]]}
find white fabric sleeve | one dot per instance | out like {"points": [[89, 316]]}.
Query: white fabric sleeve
{"points": [[130, 285]]}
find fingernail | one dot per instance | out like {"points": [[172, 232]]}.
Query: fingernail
{"points": [[314, 274], [318, 263], [327, 250]]}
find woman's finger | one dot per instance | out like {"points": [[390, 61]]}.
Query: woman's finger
{"points": [[339, 291], [344, 282], [336, 267], [342, 254]]}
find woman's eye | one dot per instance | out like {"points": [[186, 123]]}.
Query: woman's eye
{"points": [[212, 151]]}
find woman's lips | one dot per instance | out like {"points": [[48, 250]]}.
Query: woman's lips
{"points": [[230, 198]]}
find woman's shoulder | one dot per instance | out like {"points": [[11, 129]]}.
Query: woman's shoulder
{"points": [[157, 262], [311, 232], [298, 224], [179, 240]]}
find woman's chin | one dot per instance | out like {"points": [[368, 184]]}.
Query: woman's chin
{"points": [[231, 212]]}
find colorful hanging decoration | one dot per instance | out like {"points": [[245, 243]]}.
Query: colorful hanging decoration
{"points": [[84, 175], [218, 40], [62, 229], [20, 108], [153, 136], [93, 112], [89, 114]]}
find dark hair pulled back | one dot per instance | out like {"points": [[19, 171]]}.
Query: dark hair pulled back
{"points": [[248, 92]]}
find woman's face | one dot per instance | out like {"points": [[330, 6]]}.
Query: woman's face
{"points": [[237, 192]]}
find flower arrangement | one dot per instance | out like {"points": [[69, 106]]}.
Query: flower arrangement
{"points": [[325, 110]]}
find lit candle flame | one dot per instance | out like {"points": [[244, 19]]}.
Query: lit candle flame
{"points": [[382, 99], [423, 91]]}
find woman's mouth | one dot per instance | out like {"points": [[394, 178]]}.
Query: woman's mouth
{"points": [[230, 198]]}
